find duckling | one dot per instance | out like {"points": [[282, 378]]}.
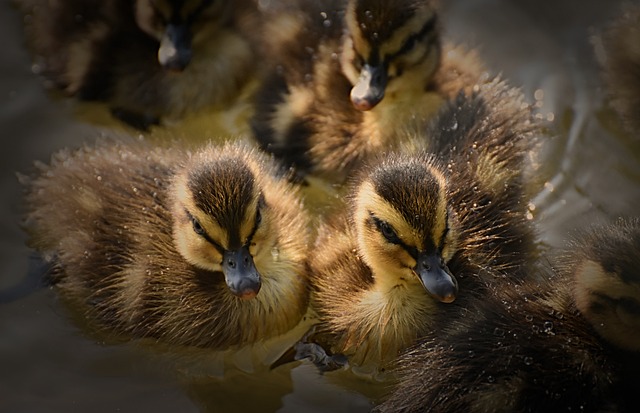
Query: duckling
{"points": [[607, 285], [147, 59], [422, 224], [348, 73], [564, 341], [203, 248], [621, 65]]}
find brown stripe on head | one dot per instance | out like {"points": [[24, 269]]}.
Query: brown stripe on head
{"points": [[417, 191], [224, 189], [377, 20]]}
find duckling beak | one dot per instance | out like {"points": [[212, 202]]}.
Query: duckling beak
{"points": [[175, 47], [240, 273], [369, 90], [436, 277]]}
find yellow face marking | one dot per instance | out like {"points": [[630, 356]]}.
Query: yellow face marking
{"points": [[611, 320], [440, 222], [370, 201], [391, 264], [360, 44]]}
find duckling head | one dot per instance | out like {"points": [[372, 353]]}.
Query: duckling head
{"points": [[221, 219], [172, 23], [607, 283], [390, 47], [406, 231]]}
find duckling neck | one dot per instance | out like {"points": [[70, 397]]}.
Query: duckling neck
{"points": [[390, 318], [380, 123]]}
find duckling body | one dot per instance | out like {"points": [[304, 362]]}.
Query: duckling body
{"points": [[349, 73], [621, 65], [442, 214], [148, 60], [532, 347], [201, 249]]}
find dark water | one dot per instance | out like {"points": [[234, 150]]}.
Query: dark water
{"points": [[589, 170]]}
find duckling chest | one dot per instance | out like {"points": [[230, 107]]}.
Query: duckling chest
{"points": [[390, 322]]}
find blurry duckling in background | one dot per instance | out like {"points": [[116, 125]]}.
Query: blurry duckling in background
{"points": [[620, 59], [202, 249], [347, 74], [447, 213], [606, 269], [566, 341], [147, 59]]}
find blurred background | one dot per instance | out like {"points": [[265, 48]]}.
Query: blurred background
{"points": [[589, 170]]}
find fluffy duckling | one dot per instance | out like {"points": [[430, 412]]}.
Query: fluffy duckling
{"points": [[201, 249], [621, 65], [566, 342], [422, 224], [147, 59], [349, 73]]}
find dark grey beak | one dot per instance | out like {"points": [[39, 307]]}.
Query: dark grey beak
{"points": [[240, 273], [175, 47], [369, 90], [436, 277]]}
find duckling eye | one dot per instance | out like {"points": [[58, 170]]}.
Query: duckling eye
{"points": [[197, 228], [388, 232]]}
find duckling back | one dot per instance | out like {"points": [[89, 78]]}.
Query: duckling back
{"points": [[114, 221]]}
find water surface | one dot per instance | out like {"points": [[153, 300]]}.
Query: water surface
{"points": [[589, 170]]}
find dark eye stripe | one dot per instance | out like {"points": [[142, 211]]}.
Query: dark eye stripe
{"points": [[258, 219], [426, 30], [380, 224], [204, 234], [445, 232]]}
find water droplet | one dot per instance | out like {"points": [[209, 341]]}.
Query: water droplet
{"points": [[529, 317], [498, 332], [326, 23], [548, 327], [472, 354], [535, 328], [528, 360], [491, 379], [368, 14], [538, 94]]}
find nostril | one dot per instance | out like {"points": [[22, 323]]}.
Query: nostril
{"points": [[231, 263], [246, 260]]}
